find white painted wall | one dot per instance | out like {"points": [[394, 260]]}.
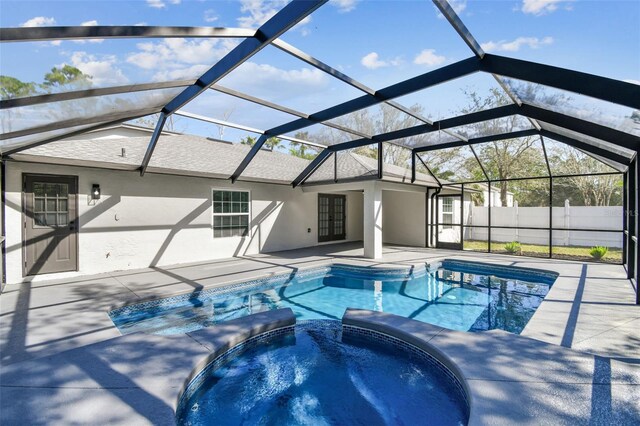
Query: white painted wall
{"points": [[166, 219], [403, 218]]}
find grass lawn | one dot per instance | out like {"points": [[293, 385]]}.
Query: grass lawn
{"points": [[614, 255]]}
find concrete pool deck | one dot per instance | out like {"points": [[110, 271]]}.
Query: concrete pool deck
{"points": [[590, 309]]}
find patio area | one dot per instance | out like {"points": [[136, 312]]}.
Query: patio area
{"points": [[217, 143], [63, 359]]}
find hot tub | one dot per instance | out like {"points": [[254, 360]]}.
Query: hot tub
{"points": [[317, 373]]}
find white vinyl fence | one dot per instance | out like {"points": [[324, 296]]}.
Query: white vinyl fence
{"points": [[576, 217]]}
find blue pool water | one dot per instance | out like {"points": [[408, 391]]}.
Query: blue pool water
{"points": [[460, 296], [318, 376]]}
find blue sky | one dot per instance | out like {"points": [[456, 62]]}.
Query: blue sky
{"points": [[376, 42]]}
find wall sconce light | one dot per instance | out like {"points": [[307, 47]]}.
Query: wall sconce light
{"points": [[95, 192]]}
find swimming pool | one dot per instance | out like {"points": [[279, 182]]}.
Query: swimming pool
{"points": [[316, 373], [462, 296]]}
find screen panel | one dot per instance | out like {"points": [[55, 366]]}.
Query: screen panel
{"points": [[608, 114], [24, 118], [453, 164], [513, 158]]}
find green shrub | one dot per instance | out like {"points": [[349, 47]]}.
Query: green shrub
{"points": [[513, 247], [598, 252]]}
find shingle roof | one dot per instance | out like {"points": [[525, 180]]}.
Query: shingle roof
{"points": [[198, 156], [351, 165]]}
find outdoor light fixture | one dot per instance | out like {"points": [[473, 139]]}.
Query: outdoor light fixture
{"points": [[95, 192]]}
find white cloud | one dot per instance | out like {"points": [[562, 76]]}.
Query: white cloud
{"points": [[302, 26], [632, 81], [161, 4], [429, 58], [102, 69], [270, 82], [265, 72], [372, 61], [541, 7], [39, 21], [344, 5], [156, 4], [42, 21], [183, 73], [515, 45], [91, 23], [259, 11], [210, 15], [458, 7], [179, 58]]}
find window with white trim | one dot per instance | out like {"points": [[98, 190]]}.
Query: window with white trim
{"points": [[447, 212], [230, 213]]}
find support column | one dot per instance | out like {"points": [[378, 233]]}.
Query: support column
{"points": [[636, 220], [372, 210], [632, 195]]}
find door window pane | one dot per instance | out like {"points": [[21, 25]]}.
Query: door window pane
{"points": [[49, 199], [39, 219], [51, 205], [62, 219]]}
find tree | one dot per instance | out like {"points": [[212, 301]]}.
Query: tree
{"points": [[65, 76], [601, 190], [11, 88], [373, 121], [225, 117], [150, 121], [298, 149], [507, 158], [248, 140], [272, 143]]}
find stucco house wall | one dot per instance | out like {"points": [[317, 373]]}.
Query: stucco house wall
{"points": [[167, 219], [404, 218]]}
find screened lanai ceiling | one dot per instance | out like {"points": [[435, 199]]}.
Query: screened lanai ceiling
{"points": [[412, 78]]}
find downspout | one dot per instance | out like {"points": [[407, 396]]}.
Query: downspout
{"points": [[433, 215], [3, 189]]}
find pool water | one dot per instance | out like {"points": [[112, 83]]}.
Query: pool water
{"points": [[319, 377], [455, 299]]}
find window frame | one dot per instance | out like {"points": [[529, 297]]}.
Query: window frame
{"points": [[447, 225], [248, 214], [46, 212]]}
